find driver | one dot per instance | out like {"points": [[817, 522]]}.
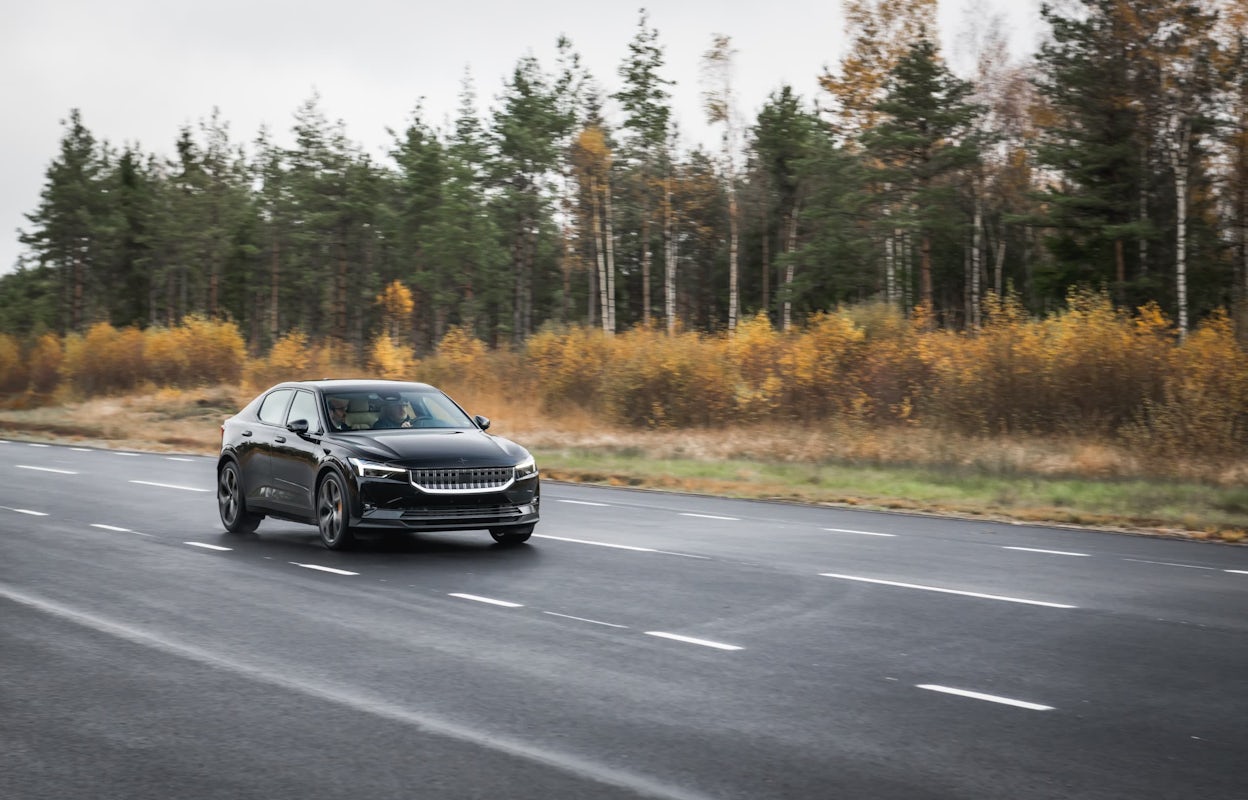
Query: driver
{"points": [[393, 415]]}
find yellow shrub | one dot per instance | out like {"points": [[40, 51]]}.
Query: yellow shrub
{"points": [[659, 381], [214, 350], [1203, 410], [46, 357], [754, 352], [391, 359], [568, 365], [104, 359], [13, 372], [165, 356], [292, 358], [818, 367]]}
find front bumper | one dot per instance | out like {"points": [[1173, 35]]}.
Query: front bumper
{"points": [[397, 505]]}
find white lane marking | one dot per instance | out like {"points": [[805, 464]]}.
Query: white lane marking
{"points": [[1048, 552], [490, 601], [581, 503], [582, 619], [947, 591], [319, 568], [28, 511], [1167, 564], [374, 701], [690, 640], [172, 486], [82, 449], [860, 533], [991, 698], [32, 444], [598, 544], [1237, 571], [104, 527], [131, 455], [46, 469], [177, 458], [207, 546], [620, 546], [710, 516]]}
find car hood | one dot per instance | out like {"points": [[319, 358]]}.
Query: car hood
{"points": [[440, 448]]}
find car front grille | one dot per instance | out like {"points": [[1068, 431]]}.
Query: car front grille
{"points": [[462, 514], [463, 481]]}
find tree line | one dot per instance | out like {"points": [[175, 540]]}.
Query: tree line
{"points": [[1116, 159]]}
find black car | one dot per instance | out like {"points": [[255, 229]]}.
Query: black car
{"points": [[354, 454]]}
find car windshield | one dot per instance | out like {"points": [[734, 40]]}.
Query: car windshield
{"points": [[396, 410]]}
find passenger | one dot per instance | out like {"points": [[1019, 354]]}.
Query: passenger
{"points": [[338, 414], [393, 415]]}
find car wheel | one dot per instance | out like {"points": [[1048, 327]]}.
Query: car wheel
{"points": [[332, 517], [518, 534], [232, 503]]}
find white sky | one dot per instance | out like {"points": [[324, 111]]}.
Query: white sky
{"points": [[139, 70]]}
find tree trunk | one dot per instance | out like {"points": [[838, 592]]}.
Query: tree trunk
{"points": [[734, 299], [669, 259], [609, 235], [790, 246], [977, 240]]}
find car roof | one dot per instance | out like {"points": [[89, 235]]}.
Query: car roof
{"points": [[358, 385]]}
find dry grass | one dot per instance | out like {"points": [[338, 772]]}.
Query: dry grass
{"points": [[1039, 479]]}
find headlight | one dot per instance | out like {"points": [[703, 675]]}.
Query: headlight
{"points": [[371, 469], [526, 469]]}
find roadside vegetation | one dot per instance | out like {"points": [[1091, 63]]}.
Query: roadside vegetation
{"points": [[1092, 416]]}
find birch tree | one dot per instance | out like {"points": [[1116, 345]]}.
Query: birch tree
{"points": [[719, 100]]}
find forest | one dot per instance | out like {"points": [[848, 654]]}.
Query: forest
{"points": [[1114, 161]]}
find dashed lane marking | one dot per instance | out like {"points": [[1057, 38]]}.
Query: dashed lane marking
{"points": [[46, 469], [116, 529], [172, 486], [947, 591], [691, 640], [207, 546], [319, 568], [991, 698], [488, 600], [860, 533], [26, 511], [583, 619], [582, 503], [710, 516], [1047, 552]]}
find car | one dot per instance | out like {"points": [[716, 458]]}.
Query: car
{"points": [[403, 457]]}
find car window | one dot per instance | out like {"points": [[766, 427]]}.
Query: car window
{"points": [[304, 408], [273, 409], [444, 412]]}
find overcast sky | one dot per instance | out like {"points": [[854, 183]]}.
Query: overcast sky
{"points": [[139, 70]]}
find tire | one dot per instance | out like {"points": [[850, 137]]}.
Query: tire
{"points": [[232, 503], [518, 534], [333, 518]]}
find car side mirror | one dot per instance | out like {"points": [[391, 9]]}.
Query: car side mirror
{"points": [[299, 426], [482, 422]]}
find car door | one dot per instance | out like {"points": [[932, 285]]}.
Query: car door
{"points": [[257, 465], [294, 458]]}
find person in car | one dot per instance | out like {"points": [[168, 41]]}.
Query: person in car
{"points": [[338, 414], [393, 415]]}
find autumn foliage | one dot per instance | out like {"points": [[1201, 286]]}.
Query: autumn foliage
{"points": [[1091, 370]]}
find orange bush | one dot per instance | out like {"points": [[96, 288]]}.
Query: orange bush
{"points": [[1203, 409], [46, 357], [214, 350], [13, 372], [568, 364], [391, 359], [656, 380], [104, 360], [819, 368], [291, 358]]}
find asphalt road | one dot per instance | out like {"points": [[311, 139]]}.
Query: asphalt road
{"points": [[641, 645]]}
